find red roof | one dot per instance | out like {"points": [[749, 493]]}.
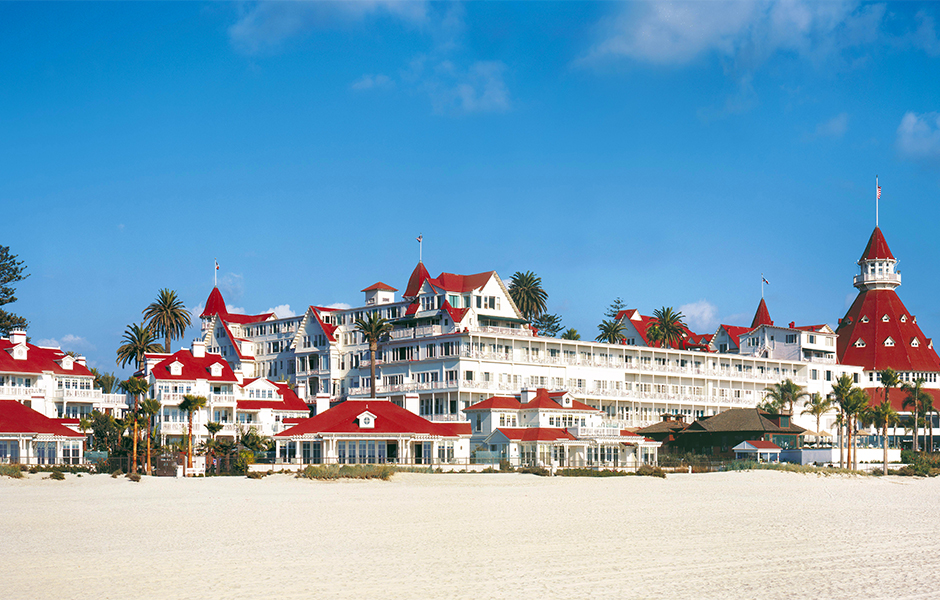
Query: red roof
{"points": [[536, 434], [496, 402], [389, 419], [874, 306], [418, 277], [38, 360], [193, 368], [17, 418], [215, 305], [762, 445], [461, 283], [542, 400], [762, 316], [328, 329], [642, 324], [735, 332], [380, 286], [289, 401], [877, 247], [897, 396], [457, 314]]}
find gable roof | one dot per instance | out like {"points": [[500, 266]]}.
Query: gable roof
{"points": [[740, 419], [734, 332], [904, 355], [289, 401], [450, 282], [758, 445], [215, 305], [543, 400], [642, 323], [380, 287], [535, 434], [38, 360], [193, 368], [877, 247], [418, 277], [18, 418], [389, 418]]}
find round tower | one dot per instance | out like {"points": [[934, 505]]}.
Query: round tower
{"points": [[877, 266]]}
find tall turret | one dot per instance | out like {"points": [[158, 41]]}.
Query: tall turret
{"points": [[878, 267]]}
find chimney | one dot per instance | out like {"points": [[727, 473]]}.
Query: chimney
{"points": [[792, 325], [199, 349], [80, 360], [240, 376], [18, 336], [527, 395]]}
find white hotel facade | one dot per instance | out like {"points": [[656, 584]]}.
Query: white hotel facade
{"points": [[459, 340]]}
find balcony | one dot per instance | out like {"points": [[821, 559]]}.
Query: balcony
{"points": [[890, 279], [19, 391]]}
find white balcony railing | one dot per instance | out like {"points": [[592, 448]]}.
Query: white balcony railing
{"points": [[19, 391]]}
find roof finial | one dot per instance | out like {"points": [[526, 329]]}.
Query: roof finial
{"points": [[420, 239]]}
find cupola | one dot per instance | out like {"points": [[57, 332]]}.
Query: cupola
{"points": [[877, 266]]}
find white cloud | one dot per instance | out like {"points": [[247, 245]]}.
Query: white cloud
{"points": [[369, 81], [68, 342], [235, 310], [232, 285], [918, 136], [669, 33], [339, 305], [701, 316], [834, 127], [266, 25], [925, 36], [282, 311], [481, 87]]}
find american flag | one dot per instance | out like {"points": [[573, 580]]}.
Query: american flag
{"points": [[764, 280], [879, 192], [420, 238], [216, 265]]}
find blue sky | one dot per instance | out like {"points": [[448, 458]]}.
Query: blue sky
{"points": [[665, 153]]}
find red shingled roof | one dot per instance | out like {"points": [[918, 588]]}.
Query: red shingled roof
{"points": [[380, 286], [193, 368], [461, 283], [389, 419], [643, 322], [17, 418], [38, 360], [543, 400], [897, 396], [762, 316], [535, 434], [418, 277], [874, 355], [328, 329], [877, 247], [762, 445], [215, 305], [457, 314], [289, 401], [735, 332]]}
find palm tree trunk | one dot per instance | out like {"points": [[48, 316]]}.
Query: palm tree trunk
{"points": [[189, 454], [372, 348], [134, 459], [842, 443], [167, 346], [916, 445], [848, 439], [149, 437], [884, 443]]}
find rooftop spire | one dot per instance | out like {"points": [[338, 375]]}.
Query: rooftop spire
{"points": [[762, 316], [877, 265]]}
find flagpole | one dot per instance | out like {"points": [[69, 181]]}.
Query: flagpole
{"points": [[877, 198], [215, 274], [420, 247], [761, 286]]}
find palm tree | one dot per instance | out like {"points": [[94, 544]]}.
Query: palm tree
{"points": [[571, 334], [883, 416], [611, 332], [106, 382], [214, 427], [167, 316], [817, 406], [373, 328], [915, 401], [840, 424], [854, 406], [784, 394], [138, 342], [526, 291], [840, 393], [667, 327], [136, 387], [150, 407], [190, 405]]}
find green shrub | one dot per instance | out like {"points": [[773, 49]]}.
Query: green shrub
{"points": [[241, 461], [583, 472], [13, 471], [650, 471], [57, 475], [256, 475], [135, 477], [540, 471], [504, 465], [116, 473], [327, 472], [33, 470]]}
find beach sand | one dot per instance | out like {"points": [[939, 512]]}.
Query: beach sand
{"points": [[755, 534]]}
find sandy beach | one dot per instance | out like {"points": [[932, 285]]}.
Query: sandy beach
{"points": [[722, 535]]}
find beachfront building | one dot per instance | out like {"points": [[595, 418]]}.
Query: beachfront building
{"points": [[879, 332], [235, 402], [29, 437], [552, 429], [374, 432], [50, 381], [460, 339], [718, 435]]}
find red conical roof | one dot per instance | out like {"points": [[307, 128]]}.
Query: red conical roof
{"points": [[877, 332], [762, 316], [418, 277], [877, 247], [215, 305]]}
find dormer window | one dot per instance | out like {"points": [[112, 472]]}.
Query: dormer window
{"points": [[915, 343], [889, 343], [176, 368], [366, 420], [864, 319], [904, 318], [859, 343], [216, 370]]}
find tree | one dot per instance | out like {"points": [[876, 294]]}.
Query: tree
{"points": [[615, 307], [571, 334], [106, 432], [611, 332], [106, 382], [547, 325], [150, 408], [190, 405], [915, 400], [136, 387], [12, 271], [667, 327], [784, 394], [855, 406], [214, 428], [883, 416], [526, 291], [167, 316], [373, 328], [840, 394], [138, 342], [817, 406]]}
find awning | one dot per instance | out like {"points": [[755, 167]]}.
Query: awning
{"points": [[499, 318]]}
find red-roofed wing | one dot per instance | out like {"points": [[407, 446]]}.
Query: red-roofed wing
{"points": [[389, 419], [17, 418]]}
